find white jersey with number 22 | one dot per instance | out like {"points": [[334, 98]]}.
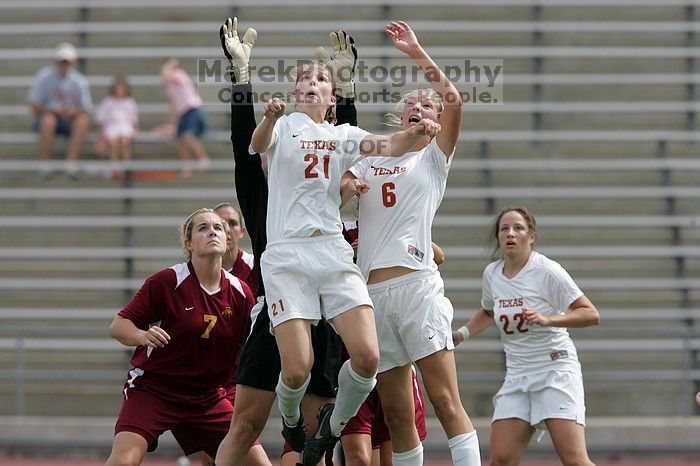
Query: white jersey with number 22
{"points": [[544, 285]]}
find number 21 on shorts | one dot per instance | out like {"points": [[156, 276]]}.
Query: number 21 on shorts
{"points": [[277, 307]]}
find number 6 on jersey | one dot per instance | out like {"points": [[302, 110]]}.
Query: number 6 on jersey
{"points": [[388, 195]]}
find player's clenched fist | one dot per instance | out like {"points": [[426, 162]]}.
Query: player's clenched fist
{"points": [[274, 108], [358, 186], [426, 127]]}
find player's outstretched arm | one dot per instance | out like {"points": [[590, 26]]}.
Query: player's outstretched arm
{"points": [[398, 143], [250, 181], [450, 118]]}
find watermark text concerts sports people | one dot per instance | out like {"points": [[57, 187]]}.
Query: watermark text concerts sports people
{"points": [[479, 82]]}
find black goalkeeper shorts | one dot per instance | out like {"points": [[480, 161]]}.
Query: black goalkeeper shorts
{"points": [[259, 365]]}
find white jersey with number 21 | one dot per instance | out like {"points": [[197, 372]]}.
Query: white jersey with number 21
{"points": [[305, 165]]}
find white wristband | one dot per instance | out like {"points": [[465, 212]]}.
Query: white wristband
{"points": [[464, 331]]}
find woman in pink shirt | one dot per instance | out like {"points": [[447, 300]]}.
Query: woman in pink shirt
{"points": [[186, 107], [118, 118]]}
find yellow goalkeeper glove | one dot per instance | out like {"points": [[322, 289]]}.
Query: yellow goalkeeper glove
{"points": [[342, 64], [237, 52]]}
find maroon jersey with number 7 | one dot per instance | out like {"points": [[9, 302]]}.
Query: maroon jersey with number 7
{"points": [[207, 331]]}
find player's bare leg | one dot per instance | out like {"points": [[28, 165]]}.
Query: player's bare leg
{"points": [[256, 457], [569, 440], [395, 388], [357, 449], [128, 449], [250, 413], [440, 380], [509, 438]]}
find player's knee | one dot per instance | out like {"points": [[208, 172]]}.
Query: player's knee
{"points": [[366, 362], [575, 461], [499, 459], [124, 460], [445, 406], [397, 416], [295, 377], [357, 457], [246, 429]]}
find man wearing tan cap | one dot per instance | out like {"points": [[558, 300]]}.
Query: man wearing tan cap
{"points": [[60, 101]]}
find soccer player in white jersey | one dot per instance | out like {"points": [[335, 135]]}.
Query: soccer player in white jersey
{"points": [[307, 267], [398, 201], [532, 300]]}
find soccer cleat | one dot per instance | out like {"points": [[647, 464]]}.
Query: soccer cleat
{"points": [[317, 445], [295, 436]]}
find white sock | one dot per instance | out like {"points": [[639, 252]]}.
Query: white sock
{"points": [[352, 392], [289, 399], [465, 449], [409, 458]]}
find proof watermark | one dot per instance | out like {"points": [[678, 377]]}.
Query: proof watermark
{"points": [[479, 82]]}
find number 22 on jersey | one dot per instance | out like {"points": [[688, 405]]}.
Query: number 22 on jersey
{"points": [[520, 317]]}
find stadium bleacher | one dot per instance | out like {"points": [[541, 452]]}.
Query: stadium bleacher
{"points": [[597, 136]]}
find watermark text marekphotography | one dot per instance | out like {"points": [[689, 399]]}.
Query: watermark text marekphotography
{"points": [[479, 82]]}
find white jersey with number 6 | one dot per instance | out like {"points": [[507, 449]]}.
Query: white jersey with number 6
{"points": [[306, 163], [396, 214], [544, 285]]}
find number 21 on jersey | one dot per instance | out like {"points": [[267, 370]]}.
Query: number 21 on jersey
{"points": [[312, 160]]}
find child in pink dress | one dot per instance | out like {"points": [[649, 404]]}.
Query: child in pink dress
{"points": [[117, 116]]}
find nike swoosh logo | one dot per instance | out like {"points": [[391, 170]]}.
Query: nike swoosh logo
{"points": [[295, 135], [431, 337], [189, 308]]}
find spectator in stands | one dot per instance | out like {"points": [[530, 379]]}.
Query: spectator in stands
{"points": [[187, 119], [236, 261], [533, 300], [60, 102], [182, 321], [697, 398], [117, 115]]}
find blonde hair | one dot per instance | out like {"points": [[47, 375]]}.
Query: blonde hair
{"points": [[186, 228], [393, 119], [330, 114]]}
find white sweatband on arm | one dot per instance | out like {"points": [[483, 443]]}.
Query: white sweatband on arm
{"points": [[464, 331]]}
